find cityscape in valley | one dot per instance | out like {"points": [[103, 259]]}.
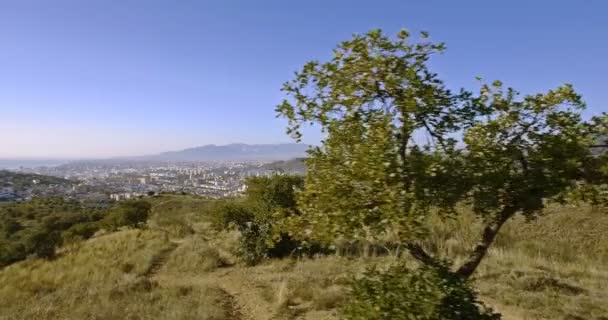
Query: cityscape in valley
{"points": [[216, 173]]}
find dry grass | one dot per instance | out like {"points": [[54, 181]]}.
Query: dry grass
{"points": [[195, 255], [552, 268], [102, 279], [544, 288]]}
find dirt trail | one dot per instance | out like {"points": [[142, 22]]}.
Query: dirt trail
{"points": [[240, 303], [232, 305], [159, 260], [244, 295], [247, 293]]}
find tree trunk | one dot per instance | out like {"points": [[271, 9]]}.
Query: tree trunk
{"points": [[419, 254], [487, 238]]}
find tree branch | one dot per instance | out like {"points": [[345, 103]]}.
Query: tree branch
{"points": [[433, 134], [419, 254]]}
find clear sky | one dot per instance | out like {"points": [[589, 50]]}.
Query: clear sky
{"points": [[122, 77]]}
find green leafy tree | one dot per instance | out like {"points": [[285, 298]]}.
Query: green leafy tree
{"points": [[399, 144]]}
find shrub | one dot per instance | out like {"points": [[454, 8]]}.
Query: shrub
{"points": [[268, 200], [11, 252], [9, 226], [422, 294], [80, 231], [231, 212], [129, 213], [253, 243], [41, 242]]}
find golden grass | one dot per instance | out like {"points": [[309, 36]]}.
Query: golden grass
{"points": [[551, 268], [103, 279]]}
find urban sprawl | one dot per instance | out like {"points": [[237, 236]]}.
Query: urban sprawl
{"points": [[105, 181]]}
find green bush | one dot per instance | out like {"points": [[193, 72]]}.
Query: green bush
{"points": [[11, 252], [41, 242], [260, 240], [415, 294], [132, 213], [254, 242], [80, 231], [9, 226], [231, 212], [267, 200]]}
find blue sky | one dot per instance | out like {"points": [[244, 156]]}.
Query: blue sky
{"points": [[121, 77]]}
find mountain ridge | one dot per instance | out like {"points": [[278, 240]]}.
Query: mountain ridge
{"points": [[233, 152]]}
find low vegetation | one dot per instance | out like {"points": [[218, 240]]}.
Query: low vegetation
{"points": [[157, 274], [39, 226]]}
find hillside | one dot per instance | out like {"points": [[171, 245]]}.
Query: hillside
{"points": [[180, 268], [16, 186], [21, 181]]}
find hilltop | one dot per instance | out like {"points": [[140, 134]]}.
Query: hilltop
{"points": [[181, 268]]}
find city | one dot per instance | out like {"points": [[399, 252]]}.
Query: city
{"points": [[106, 180]]}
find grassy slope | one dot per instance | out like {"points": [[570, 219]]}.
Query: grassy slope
{"points": [[553, 268]]}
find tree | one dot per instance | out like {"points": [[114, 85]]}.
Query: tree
{"points": [[399, 144]]}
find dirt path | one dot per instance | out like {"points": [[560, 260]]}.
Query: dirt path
{"points": [[236, 305], [243, 295], [159, 260], [231, 304], [247, 293]]}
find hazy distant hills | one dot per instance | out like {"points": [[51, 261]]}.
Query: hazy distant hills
{"points": [[235, 152]]}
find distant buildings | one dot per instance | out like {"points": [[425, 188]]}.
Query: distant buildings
{"points": [[117, 181]]}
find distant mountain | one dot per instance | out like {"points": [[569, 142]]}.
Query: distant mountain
{"points": [[235, 152]]}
